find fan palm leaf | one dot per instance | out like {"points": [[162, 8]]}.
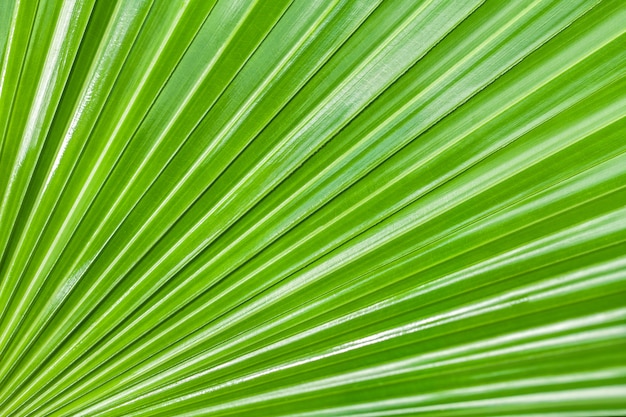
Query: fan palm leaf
{"points": [[312, 208]]}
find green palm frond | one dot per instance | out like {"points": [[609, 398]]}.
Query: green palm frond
{"points": [[312, 208]]}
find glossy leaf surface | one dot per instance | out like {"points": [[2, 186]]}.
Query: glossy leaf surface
{"points": [[312, 208]]}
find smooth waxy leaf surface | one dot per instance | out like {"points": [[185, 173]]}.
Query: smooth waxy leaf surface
{"points": [[312, 208]]}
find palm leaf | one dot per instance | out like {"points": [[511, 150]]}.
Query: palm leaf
{"points": [[312, 208]]}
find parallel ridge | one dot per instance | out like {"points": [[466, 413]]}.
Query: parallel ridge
{"points": [[313, 208]]}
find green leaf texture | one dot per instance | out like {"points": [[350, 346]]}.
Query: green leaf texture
{"points": [[312, 208]]}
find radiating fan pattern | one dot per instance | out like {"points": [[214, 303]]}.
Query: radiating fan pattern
{"points": [[312, 208]]}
